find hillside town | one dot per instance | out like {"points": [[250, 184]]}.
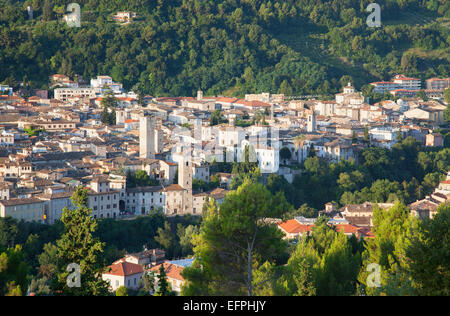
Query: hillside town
{"points": [[51, 146]]}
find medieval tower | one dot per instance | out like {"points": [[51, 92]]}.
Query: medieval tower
{"points": [[185, 181], [146, 137]]}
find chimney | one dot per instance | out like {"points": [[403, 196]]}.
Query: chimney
{"points": [[199, 95]]}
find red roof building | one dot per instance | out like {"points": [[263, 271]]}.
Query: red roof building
{"points": [[122, 273]]}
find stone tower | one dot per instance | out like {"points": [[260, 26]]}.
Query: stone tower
{"points": [[185, 173], [311, 122], [159, 141], [146, 137], [185, 181]]}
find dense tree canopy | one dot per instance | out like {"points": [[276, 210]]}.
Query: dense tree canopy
{"points": [[224, 47]]}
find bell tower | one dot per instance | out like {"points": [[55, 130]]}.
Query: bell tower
{"points": [[185, 181]]}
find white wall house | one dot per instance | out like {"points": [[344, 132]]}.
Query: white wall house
{"points": [[124, 274]]}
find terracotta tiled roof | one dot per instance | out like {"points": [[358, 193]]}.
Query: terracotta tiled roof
{"points": [[173, 187], [424, 205], [438, 79], [227, 100], [347, 229], [366, 232], [124, 269], [253, 104], [294, 227], [172, 271]]}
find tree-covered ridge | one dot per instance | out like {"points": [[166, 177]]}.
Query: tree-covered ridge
{"points": [[224, 47]]}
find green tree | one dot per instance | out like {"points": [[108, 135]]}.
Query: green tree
{"points": [[447, 99], [422, 95], [216, 118], [80, 197], [301, 274], [428, 256], [163, 288], [323, 264], [8, 232], [285, 88], [140, 178], [233, 239], [366, 138], [186, 236], [47, 10], [147, 283], [168, 240], [13, 272], [78, 246], [447, 95], [48, 266], [122, 291], [338, 268], [109, 103], [409, 62], [393, 230], [108, 99], [304, 210], [40, 287]]}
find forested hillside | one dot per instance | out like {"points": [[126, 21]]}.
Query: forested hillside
{"points": [[233, 47]]}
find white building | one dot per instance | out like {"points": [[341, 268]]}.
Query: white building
{"points": [[387, 137], [124, 273], [6, 138], [64, 94], [408, 83], [98, 85], [103, 200], [55, 204], [200, 172], [231, 136], [350, 96], [325, 108], [28, 209], [145, 200], [383, 86], [4, 191]]}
